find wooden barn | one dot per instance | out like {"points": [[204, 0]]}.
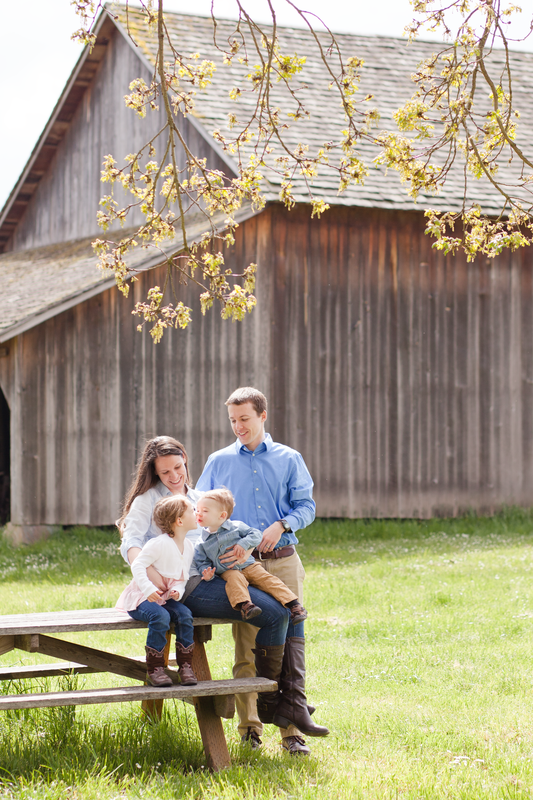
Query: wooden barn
{"points": [[404, 377]]}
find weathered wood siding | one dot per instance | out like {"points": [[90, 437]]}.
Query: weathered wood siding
{"points": [[405, 378], [65, 203]]}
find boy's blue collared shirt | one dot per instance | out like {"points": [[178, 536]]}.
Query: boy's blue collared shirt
{"points": [[207, 552], [268, 484]]}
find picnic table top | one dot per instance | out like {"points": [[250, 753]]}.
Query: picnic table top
{"points": [[91, 619]]}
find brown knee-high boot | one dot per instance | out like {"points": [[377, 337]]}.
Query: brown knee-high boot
{"points": [[292, 707], [184, 662], [268, 662]]}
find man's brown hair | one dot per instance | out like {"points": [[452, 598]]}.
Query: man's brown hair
{"points": [[168, 510], [223, 497], [247, 394]]}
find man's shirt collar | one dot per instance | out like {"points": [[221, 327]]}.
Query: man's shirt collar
{"points": [[265, 446]]}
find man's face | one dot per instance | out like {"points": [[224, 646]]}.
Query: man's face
{"points": [[248, 426], [209, 514]]}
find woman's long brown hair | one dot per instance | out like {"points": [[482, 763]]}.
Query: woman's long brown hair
{"points": [[145, 474]]}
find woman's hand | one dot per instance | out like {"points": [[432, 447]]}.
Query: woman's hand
{"points": [[154, 597], [208, 573], [235, 555]]}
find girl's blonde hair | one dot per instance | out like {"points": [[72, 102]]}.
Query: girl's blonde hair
{"points": [[145, 474], [168, 510]]}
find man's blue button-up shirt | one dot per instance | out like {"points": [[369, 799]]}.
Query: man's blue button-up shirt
{"points": [[268, 484]]}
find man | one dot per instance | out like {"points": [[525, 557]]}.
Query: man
{"points": [[273, 493]]}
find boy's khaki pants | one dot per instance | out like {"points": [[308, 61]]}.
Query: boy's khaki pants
{"points": [[238, 580], [290, 570]]}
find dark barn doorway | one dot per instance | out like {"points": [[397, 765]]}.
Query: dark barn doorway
{"points": [[4, 460]]}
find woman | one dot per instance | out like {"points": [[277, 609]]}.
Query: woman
{"points": [[162, 471]]}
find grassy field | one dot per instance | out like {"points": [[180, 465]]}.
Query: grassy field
{"points": [[420, 661]]}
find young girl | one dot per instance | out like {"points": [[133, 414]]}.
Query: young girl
{"points": [[171, 554]]}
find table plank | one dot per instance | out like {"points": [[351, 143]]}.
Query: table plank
{"points": [[92, 619], [58, 669], [127, 694], [44, 671]]}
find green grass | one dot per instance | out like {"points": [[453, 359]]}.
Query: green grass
{"points": [[420, 661]]}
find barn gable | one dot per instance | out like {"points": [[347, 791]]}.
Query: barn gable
{"points": [[64, 201]]}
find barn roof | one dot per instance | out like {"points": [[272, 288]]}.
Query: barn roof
{"points": [[386, 74]]}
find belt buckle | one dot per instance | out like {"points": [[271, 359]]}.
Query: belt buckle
{"points": [[260, 554]]}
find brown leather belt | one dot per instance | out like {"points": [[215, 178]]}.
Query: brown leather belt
{"points": [[281, 552]]}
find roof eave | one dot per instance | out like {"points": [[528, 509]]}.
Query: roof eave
{"points": [[77, 297]]}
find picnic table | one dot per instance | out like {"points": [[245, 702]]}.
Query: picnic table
{"points": [[212, 700]]}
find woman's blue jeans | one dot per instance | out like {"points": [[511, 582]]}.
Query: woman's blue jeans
{"points": [[209, 599], [159, 619]]}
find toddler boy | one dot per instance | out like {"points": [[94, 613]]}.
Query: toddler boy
{"points": [[212, 512]]}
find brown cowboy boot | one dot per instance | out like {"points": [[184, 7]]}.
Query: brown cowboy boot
{"points": [[292, 707], [184, 662], [155, 663], [268, 662]]}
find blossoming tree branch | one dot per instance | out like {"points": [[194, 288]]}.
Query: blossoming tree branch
{"points": [[448, 121]]}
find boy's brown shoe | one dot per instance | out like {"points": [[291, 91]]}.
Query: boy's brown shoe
{"points": [[298, 614], [249, 611]]}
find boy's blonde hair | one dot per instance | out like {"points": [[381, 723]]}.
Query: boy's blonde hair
{"points": [[168, 510], [223, 497]]}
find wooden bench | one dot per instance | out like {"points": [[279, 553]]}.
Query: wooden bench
{"points": [[211, 699]]}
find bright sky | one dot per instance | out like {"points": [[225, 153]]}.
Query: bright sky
{"points": [[37, 55]]}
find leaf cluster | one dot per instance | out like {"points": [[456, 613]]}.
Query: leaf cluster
{"points": [[463, 111]]}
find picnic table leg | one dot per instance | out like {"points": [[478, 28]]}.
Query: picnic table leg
{"points": [[7, 643], [210, 724], [154, 708]]}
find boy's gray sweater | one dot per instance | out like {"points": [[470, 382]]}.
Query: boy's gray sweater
{"points": [[207, 552]]}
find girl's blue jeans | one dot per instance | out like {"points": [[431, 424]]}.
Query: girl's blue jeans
{"points": [[209, 599], [159, 619]]}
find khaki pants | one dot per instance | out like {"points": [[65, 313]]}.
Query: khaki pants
{"points": [[238, 580], [290, 570]]}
